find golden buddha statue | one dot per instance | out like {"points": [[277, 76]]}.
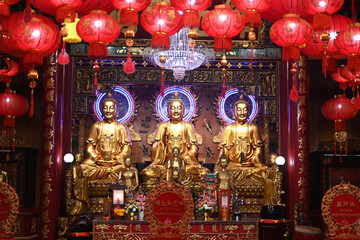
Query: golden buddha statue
{"points": [[107, 145], [241, 143], [224, 188], [170, 134], [175, 167], [272, 189], [129, 176], [80, 188]]}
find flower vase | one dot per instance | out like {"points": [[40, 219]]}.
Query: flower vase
{"points": [[206, 216], [132, 216], [141, 216]]}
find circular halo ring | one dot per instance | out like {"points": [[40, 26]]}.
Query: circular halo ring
{"points": [[123, 115], [184, 95], [224, 102]]}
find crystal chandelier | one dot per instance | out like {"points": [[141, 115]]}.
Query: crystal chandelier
{"points": [[182, 55]]}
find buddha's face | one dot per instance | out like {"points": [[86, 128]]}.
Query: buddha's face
{"points": [[176, 151], [241, 112], [176, 110], [109, 109], [223, 162], [127, 162]]}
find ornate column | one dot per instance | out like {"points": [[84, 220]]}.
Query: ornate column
{"points": [[294, 141], [51, 166]]}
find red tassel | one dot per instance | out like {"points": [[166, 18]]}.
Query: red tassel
{"points": [[340, 161], [13, 145], [325, 64], [129, 65], [96, 68], [346, 148], [357, 101], [162, 89], [63, 58], [27, 13], [223, 86], [252, 55], [294, 96], [7, 156], [31, 113]]}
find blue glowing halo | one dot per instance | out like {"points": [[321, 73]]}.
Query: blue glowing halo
{"points": [[227, 105], [125, 104], [163, 101]]}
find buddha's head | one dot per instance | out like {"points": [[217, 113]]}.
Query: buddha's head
{"points": [[175, 151], [223, 160], [109, 108], [176, 108], [127, 161], [241, 110], [78, 158]]}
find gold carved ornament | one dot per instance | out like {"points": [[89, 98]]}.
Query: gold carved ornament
{"points": [[13, 200]]}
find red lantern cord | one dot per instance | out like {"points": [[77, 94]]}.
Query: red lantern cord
{"points": [[294, 96], [252, 38], [223, 63], [162, 89], [96, 68]]}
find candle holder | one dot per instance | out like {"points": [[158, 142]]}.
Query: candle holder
{"points": [[118, 199]]}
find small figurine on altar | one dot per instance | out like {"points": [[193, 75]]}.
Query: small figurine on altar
{"points": [[226, 181], [175, 167], [80, 188], [107, 145], [3, 176], [129, 176]]}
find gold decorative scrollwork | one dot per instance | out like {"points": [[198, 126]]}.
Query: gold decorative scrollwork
{"points": [[13, 200], [120, 227]]}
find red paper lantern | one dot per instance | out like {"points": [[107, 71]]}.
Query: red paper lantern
{"points": [[252, 10], [281, 7], [98, 29], [35, 38], [12, 105], [316, 48], [222, 23], [191, 9], [65, 9], [290, 33], [339, 109], [5, 8], [129, 15], [323, 10], [161, 20], [348, 41], [83, 9]]}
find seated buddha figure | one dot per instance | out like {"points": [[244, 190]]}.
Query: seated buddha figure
{"points": [[242, 144], [107, 145], [171, 134]]}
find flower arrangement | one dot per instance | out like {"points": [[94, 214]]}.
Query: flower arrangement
{"points": [[131, 207], [140, 201], [206, 204]]}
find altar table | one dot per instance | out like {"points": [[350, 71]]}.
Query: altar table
{"points": [[139, 230]]}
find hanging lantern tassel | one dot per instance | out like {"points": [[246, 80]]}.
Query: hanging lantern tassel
{"points": [[223, 63], [32, 76], [162, 89], [325, 38], [96, 68], [252, 38], [129, 65], [63, 58], [192, 44], [163, 61], [294, 96]]}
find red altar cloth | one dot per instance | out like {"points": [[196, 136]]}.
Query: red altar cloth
{"points": [[200, 230]]}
